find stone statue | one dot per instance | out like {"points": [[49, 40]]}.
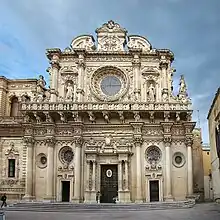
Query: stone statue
{"points": [[41, 85], [182, 85], [151, 93], [69, 91], [91, 117]]}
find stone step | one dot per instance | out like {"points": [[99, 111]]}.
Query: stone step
{"points": [[72, 207]]}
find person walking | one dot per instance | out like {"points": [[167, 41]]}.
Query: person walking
{"points": [[4, 198]]}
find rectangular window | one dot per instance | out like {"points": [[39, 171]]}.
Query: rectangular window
{"points": [[11, 168]]}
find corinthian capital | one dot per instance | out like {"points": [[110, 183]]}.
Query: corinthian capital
{"points": [[28, 141], [78, 141], [167, 139], [189, 141], [50, 141], [138, 140]]}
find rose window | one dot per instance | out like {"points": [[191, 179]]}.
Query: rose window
{"points": [[66, 155], [109, 83], [153, 154]]}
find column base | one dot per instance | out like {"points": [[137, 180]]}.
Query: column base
{"points": [[139, 201], [28, 198], [168, 198], [75, 200], [49, 199]]}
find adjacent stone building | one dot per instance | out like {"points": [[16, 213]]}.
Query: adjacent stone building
{"points": [[109, 125], [214, 138]]}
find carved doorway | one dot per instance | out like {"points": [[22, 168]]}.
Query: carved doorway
{"points": [[154, 191], [65, 191], [109, 183]]}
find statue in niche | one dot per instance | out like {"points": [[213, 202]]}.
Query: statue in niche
{"points": [[41, 85], [151, 93], [69, 91], [182, 85]]}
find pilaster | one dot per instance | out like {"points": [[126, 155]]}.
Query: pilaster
{"points": [[81, 69], [54, 70], [50, 194], [136, 63], [77, 182], [29, 143], [168, 175]]}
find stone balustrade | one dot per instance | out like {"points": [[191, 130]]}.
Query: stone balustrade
{"points": [[100, 106]]}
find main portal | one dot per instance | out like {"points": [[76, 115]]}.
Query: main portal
{"points": [[109, 183]]}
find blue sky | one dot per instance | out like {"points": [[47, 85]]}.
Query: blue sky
{"points": [[190, 28]]}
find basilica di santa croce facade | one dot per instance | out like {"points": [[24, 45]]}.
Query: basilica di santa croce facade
{"points": [[108, 123]]}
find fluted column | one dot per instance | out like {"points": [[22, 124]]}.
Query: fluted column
{"points": [[50, 169], [77, 182], [93, 175], [189, 167], [120, 176], [29, 142], [168, 192], [126, 175]]}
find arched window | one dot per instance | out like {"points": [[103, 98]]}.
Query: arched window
{"points": [[14, 107]]}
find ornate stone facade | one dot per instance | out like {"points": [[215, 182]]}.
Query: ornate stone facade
{"points": [[109, 128]]}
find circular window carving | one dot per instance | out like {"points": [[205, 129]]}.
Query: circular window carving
{"points": [[109, 83], [153, 154], [41, 160], [178, 159], [66, 155], [109, 173]]}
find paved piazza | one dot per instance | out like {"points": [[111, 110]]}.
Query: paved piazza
{"points": [[200, 211]]}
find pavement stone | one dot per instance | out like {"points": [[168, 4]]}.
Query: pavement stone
{"points": [[204, 211]]}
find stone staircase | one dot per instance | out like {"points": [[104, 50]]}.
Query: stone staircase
{"points": [[72, 207]]}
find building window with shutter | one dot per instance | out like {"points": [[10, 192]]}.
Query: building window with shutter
{"points": [[11, 168]]}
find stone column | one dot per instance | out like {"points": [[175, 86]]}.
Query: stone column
{"points": [[81, 71], [77, 182], [54, 70], [189, 167], [87, 174], [136, 70], [29, 169], [164, 83], [50, 169], [120, 176], [93, 175], [126, 175], [138, 143], [168, 180]]}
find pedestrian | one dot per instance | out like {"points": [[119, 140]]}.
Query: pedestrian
{"points": [[4, 198]]}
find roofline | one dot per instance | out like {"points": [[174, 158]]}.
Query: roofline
{"points": [[5, 78], [213, 102]]}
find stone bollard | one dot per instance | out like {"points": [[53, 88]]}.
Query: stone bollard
{"points": [[2, 215]]}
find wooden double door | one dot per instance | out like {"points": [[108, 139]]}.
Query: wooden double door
{"points": [[109, 183]]}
